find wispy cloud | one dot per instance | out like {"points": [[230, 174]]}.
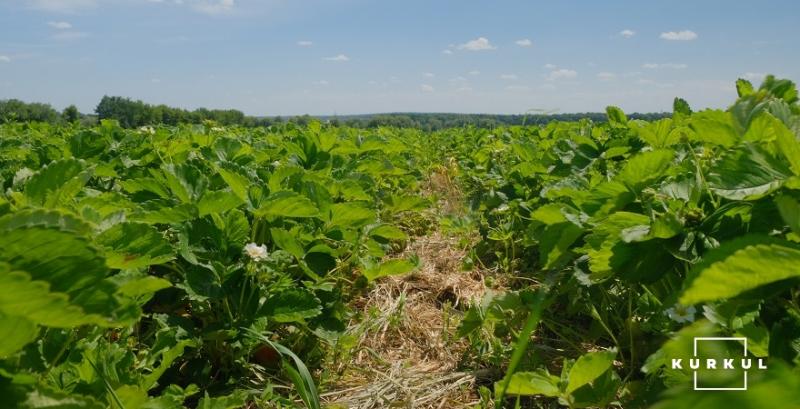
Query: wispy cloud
{"points": [[550, 66], [684, 35], [524, 42], [754, 76], [508, 77], [562, 73], [61, 6], [674, 66], [447, 52], [426, 88], [60, 25], [428, 74], [517, 88], [653, 83], [214, 7], [627, 33], [478, 44], [5, 58], [474, 72], [69, 35], [606, 76], [337, 58], [322, 83], [305, 43]]}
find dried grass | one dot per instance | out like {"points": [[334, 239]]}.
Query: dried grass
{"points": [[407, 354]]}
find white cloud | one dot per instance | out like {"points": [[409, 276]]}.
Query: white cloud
{"points": [[321, 82], [305, 43], [447, 52], [69, 35], [674, 66], [627, 33], [754, 76], [61, 6], [606, 76], [426, 88], [5, 58], [155, 80], [474, 72], [428, 74], [562, 73], [685, 35], [649, 82], [478, 44], [338, 58], [458, 79], [464, 89], [60, 25], [509, 77], [517, 88], [524, 42], [550, 66], [215, 7]]}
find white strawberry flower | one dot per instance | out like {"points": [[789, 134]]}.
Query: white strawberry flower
{"points": [[147, 129], [256, 252], [680, 313]]}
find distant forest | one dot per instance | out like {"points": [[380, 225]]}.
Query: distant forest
{"points": [[133, 113]]}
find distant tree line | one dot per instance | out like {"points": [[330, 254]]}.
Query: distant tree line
{"points": [[133, 113], [436, 121]]}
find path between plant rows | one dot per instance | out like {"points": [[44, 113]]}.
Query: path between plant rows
{"points": [[406, 352]]}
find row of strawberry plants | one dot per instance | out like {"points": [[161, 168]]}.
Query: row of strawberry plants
{"points": [[192, 266], [625, 240]]}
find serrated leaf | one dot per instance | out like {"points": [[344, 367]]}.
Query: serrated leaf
{"points": [[616, 117], [287, 204], [533, 383], [387, 232], [740, 265], [744, 87], [789, 208], [391, 267], [715, 127], [555, 242], [589, 367], [143, 286], [352, 215], [15, 333], [293, 305], [238, 183], [218, 202], [287, 241], [185, 181], [645, 168], [134, 245], [56, 182], [747, 173]]}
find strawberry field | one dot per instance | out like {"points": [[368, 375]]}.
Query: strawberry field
{"points": [[224, 267]]}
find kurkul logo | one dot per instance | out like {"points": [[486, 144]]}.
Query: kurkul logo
{"points": [[742, 363]]}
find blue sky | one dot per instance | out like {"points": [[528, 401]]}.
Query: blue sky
{"points": [[281, 57]]}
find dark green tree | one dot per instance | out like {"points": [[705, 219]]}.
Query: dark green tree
{"points": [[71, 114]]}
